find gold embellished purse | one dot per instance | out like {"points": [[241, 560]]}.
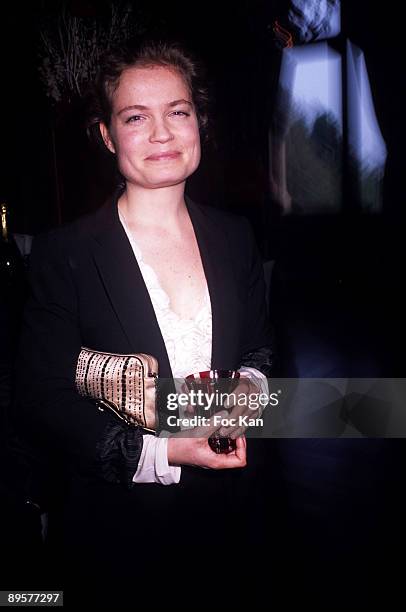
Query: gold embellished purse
{"points": [[125, 384]]}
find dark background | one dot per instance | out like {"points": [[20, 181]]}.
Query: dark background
{"points": [[336, 303]]}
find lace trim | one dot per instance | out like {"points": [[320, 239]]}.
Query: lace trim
{"points": [[119, 450], [188, 341]]}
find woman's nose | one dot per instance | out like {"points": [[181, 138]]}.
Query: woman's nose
{"points": [[160, 132]]}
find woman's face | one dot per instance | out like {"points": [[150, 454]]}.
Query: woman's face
{"points": [[154, 130]]}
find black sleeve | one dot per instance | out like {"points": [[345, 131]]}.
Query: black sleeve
{"points": [[47, 405], [257, 348]]}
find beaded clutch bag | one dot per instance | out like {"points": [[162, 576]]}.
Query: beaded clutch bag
{"points": [[125, 384]]}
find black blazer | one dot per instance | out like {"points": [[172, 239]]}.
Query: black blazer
{"points": [[87, 290]]}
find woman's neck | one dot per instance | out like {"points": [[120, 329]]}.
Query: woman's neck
{"points": [[164, 207]]}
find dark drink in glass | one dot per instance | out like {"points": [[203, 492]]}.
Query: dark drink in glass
{"points": [[215, 382]]}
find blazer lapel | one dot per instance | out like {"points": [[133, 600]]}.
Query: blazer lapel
{"points": [[218, 267], [124, 284]]}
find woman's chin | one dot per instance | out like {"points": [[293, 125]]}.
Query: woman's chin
{"points": [[158, 182]]}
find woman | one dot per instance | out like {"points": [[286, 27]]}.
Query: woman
{"points": [[149, 272]]}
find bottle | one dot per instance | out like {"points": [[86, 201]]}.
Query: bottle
{"points": [[12, 295], [11, 262]]}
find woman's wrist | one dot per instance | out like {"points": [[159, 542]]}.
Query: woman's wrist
{"points": [[173, 451], [182, 450]]}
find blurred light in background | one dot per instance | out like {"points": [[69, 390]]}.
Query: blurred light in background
{"points": [[366, 144], [306, 145], [325, 143]]}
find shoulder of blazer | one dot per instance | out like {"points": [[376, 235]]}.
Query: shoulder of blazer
{"points": [[75, 232], [236, 226]]}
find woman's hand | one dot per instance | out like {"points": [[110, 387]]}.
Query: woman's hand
{"points": [[191, 448], [242, 411]]}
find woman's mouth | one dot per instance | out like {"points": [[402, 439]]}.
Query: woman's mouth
{"points": [[168, 155]]}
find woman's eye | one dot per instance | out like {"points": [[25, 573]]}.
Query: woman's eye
{"points": [[179, 113], [134, 119]]}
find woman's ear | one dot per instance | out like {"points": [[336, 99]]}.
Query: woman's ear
{"points": [[106, 137]]}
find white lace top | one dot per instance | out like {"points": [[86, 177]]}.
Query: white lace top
{"points": [[188, 341]]}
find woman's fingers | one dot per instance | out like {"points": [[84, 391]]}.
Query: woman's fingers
{"points": [[237, 433], [238, 420], [242, 411], [243, 388], [236, 459], [204, 431]]}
